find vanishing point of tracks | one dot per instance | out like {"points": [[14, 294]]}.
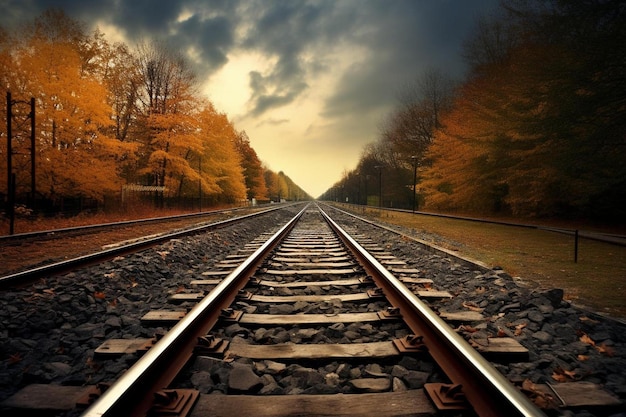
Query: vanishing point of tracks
{"points": [[309, 296]]}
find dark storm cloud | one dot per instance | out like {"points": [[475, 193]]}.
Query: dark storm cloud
{"points": [[405, 39], [287, 30], [400, 39]]}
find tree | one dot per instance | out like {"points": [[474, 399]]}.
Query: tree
{"points": [[252, 167], [74, 156], [541, 120], [276, 185], [221, 163], [166, 97]]}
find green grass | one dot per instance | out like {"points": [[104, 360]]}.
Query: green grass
{"points": [[541, 258]]}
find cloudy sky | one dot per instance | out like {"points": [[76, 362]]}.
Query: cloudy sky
{"points": [[309, 81]]}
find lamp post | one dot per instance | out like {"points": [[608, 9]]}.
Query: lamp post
{"points": [[414, 158]]}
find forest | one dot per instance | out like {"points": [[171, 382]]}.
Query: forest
{"points": [[112, 123], [536, 128]]}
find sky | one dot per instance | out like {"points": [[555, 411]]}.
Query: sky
{"points": [[309, 81]]}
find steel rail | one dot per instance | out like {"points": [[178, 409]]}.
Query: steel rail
{"points": [[122, 223], [69, 264], [609, 238], [133, 393], [486, 389]]}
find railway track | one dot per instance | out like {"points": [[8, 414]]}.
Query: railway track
{"points": [[310, 313], [55, 251]]}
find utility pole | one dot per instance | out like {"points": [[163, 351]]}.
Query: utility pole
{"points": [[414, 158], [10, 175]]}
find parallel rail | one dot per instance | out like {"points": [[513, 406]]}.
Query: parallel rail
{"points": [[29, 275], [132, 394], [488, 392], [485, 388], [56, 233]]}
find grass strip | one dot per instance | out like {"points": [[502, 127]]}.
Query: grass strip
{"points": [[541, 258]]}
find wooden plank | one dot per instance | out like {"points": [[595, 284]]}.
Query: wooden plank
{"points": [[405, 270], [312, 351], [309, 259], [434, 294], [407, 280], [580, 394], [286, 251], [392, 262], [316, 264], [413, 403], [162, 316], [308, 298], [461, 316], [44, 399], [179, 298], [215, 273], [341, 271], [312, 253], [333, 245], [340, 282], [501, 349], [227, 264], [116, 347], [276, 319], [205, 282]]}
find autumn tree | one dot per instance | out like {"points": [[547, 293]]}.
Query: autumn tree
{"points": [[74, 156], [276, 185], [166, 99], [222, 172], [253, 169], [540, 121], [108, 116]]}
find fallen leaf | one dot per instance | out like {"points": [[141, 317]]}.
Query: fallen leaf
{"points": [[519, 328], [468, 329], [606, 350], [99, 295], [583, 358], [93, 364], [501, 333], [472, 307], [586, 339], [588, 320], [562, 375]]}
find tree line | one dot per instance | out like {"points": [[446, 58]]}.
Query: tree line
{"points": [[536, 128], [108, 115]]}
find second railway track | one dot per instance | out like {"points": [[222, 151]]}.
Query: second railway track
{"points": [[317, 328]]}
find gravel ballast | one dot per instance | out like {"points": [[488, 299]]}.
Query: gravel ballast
{"points": [[49, 331]]}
